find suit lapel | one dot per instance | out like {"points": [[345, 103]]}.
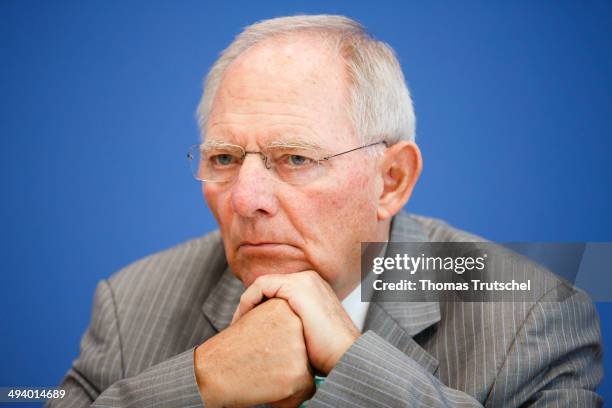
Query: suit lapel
{"points": [[220, 305], [399, 322], [381, 322]]}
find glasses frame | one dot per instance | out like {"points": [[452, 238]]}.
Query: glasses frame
{"points": [[267, 164], [357, 148]]}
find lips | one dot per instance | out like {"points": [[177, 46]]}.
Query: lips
{"points": [[267, 249], [263, 245], [259, 243]]}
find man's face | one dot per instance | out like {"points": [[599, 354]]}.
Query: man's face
{"points": [[292, 90]]}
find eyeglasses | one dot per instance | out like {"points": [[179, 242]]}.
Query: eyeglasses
{"points": [[221, 163]]}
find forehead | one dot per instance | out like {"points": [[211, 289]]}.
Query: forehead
{"points": [[292, 86]]}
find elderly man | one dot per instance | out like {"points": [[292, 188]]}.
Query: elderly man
{"points": [[308, 150]]}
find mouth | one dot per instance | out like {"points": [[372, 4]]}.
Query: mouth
{"points": [[261, 244], [266, 247]]}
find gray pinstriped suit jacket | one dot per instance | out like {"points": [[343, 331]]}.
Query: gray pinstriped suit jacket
{"points": [[148, 318]]}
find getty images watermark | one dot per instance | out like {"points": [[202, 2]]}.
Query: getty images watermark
{"points": [[481, 271], [459, 265]]}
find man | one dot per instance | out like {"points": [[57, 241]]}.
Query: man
{"points": [[308, 150]]}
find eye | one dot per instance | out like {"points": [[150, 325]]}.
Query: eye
{"points": [[297, 160], [222, 159], [293, 159]]}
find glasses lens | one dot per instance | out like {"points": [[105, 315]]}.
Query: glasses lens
{"points": [[295, 165], [193, 157], [217, 164]]}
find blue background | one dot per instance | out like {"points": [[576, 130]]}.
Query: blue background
{"points": [[514, 107]]}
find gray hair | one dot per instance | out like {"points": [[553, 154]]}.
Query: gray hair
{"points": [[379, 103]]}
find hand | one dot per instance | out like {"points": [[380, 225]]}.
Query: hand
{"points": [[328, 330], [260, 359]]}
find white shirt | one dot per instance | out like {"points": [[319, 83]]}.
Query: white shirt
{"points": [[356, 309]]}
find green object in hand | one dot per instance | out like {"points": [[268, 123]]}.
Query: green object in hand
{"points": [[318, 381]]}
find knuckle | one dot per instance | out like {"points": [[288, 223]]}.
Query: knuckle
{"points": [[313, 276], [305, 276], [258, 282], [310, 278]]}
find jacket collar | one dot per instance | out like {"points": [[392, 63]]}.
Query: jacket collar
{"points": [[411, 316], [399, 322], [223, 300], [396, 322]]}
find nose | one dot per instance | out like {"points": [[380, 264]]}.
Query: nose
{"points": [[253, 192]]}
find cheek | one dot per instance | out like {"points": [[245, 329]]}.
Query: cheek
{"points": [[350, 202], [208, 193], [355, 195], [210, 198], [214, 198]]}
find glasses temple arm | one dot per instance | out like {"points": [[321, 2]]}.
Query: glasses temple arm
{"points": [[357, 148]]}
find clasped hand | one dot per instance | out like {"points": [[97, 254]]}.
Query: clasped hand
{"points": [[269, 351]]}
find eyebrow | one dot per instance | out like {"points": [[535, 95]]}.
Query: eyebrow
{"points": [[284, 142], [211, 144], [291, 142]]}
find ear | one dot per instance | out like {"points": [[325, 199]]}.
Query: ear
{"points": [[400, 169]]}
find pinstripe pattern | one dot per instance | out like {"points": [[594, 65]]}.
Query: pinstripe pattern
{"points": [[147, 319]]}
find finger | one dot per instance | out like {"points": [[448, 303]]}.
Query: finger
{"points": [[281, 286], [265, 286]]}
